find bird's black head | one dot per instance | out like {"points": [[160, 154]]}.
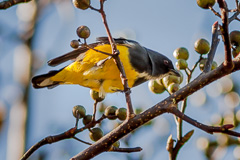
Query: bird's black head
{"points": [[161, 65]]}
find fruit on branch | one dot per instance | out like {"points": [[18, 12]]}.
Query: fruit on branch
{"points": [[96, 133], [181, 53], [110, 112], [81, 4], [235, 38], [236, 51], [95, 96], [173, 87], [181, 64], [87, 119], [172, 79], [121, 113], [74, 44], [205, 4], [83, 32], [78, 110], [202, 46], [203, 63], [156, 87]]}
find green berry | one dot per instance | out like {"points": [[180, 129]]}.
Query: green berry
{"points": [[95, 96], [202, 46], [214, 65], [171, 79], [81, 4], [173, 87], [205, 4], [111, 111], [87, 119], [121, 113], [181, 64], [181, 53], [236, 51], [202, 64], [74, 44], [155, 87], [80, 110], [83, 32], [95, 134], [235, 38]]}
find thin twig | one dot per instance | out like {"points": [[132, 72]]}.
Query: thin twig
{"points": [[225, 34], [82, 141], [9, 3], [128, 150], [213, 49]]}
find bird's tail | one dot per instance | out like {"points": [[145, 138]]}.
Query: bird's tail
{"points": [[44, 80]]}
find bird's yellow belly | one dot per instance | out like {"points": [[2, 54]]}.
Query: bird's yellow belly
{"points": [[104, 77]]}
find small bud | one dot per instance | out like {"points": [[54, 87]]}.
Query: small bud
{"points": [[121, 113], [95, 134], [173, 87], [205, 4], [111, 111], [202, 46], [156, 87], [181, 64], [181, 53], [78, 109], [235, 38], [95, 96], [87, 119]]}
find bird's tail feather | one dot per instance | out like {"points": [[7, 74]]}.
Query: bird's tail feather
{"points": [[42, 81]]}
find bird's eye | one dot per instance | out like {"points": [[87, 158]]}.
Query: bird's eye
{"points": [[165, 62]]}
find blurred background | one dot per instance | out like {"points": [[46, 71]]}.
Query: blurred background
{"points": [[35, 32]]}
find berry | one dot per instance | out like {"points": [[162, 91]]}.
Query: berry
{"points": [[202, 63], [80, 110], [111, 111], [202, 46], [74, 44], [95, 96], [181, 64], [155, 87], [205, 4], [87, 119], [236, 51], [121, 113], [173, 87], [81, 4], [171, 79], [235, 38], [181, 53], [83, 32], [214, 65], [95, 134]]}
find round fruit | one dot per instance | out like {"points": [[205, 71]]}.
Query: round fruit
{"points": [[202, 46], [111, 111], [121, 113], [87, 119], [205, 4], [81, 4], [80, 110], [202, 64], [181, 64], [155, 87], [181, 53], [235, 38], [173, 87], [214, 65], [171, 79], [83, 32], [95, 134], [74, 44], [236, 51], [95, 96]]}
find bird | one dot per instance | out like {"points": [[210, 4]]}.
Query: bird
{"points": [[97, 71]]}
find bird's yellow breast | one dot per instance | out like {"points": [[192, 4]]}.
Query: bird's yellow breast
{"points": [[95, 72]]}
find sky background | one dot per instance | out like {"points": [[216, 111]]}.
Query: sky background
{"points": [[162, 26]]}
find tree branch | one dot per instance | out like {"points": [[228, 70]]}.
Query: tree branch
{"points": [[9, 3], [225, 34]]}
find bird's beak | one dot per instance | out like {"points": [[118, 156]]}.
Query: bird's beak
{"points": [[174, 72]]}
